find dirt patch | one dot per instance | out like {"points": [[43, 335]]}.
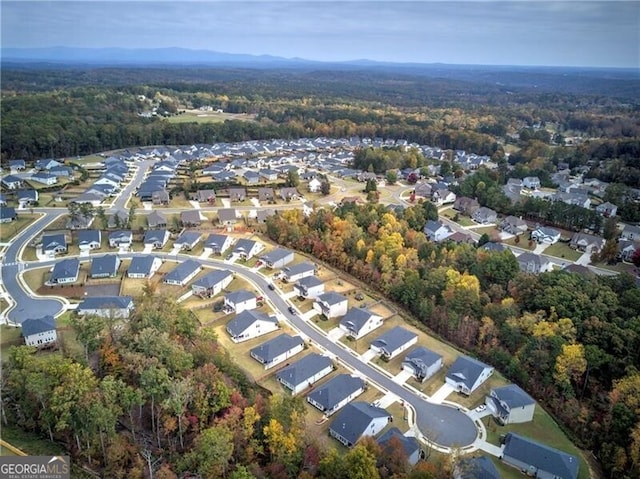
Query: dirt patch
{"points": [[112, 289], [72, 291]]}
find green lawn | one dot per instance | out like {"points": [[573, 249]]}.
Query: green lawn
{"points": [[9, 230], [462, 220], [9, 336], [207, 117], [562, 250]]}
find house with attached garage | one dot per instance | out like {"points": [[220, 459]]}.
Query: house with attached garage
{"points": [[510, 404], [54, 244], [7, 214], [251, 177], [104, 266], [485, 216], [155, 219], [314, 185], [277, 350], [442, 196], [89, 240], [359, 322], [217, 244], [44, 178], [289, 193], [393, 342], [537, 459], [533, 263], [39, 332], [247, 249], [17, 164], [106, 306], [627, 248], [251, 324], [239, 301], [531, 182], [237, 194], [422, 363], [227, 217], [263, 214], [514, 225], [188, 240], [304, 373], [46, 164], [156, 238], [212, 283], [266, 194], [26, 198], [542, 234], [606, 209], [190, 218], [436, 231], [120, 239], [183, 273], [3, 199], [356, 420], [476, 468], [278, 258], [205, 196], [467, 374], [12, 182], [268, 175], [336, 393], [630, 232], [465, 205], [144, 266], [586, 243], [410, 445], [291, 274], [331, 304], [309, 287], [65, 271]]}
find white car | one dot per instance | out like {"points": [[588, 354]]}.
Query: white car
{"points": [[481, 408]]}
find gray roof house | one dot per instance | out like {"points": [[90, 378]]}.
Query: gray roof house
{"points": [[39, 331], [237, 194], [309, 287], [484, 215], [212, 283], [607, 209], [514, 225], [266, 193], [104, 266], [510, 404], [227, 216], [410, 445], [393, 342], [545, 235], [466, 205], [65, 271], [7, 214], [538, 460], [106, 306], [156, 238], [336, 392], [190, 218], [54, 244], [240, 300], [422, 363], [89, 239], [277, 258], [12, 182], [247, 249], [120, 238], [183, 272], [531, 182], [359, 321], [144, 266], [298, 271], [331, 304], [436, 231], [277, 350], [250, 324], [630, 232], [289, 193], [586, 243], [218, 243], [155, 219], [358, 419], [188, 240], [467, 374], [476, 468], [304, 373], [533, 263]]}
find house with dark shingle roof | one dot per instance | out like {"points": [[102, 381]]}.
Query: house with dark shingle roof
{"points": [[393, 342], [54, 244], [422, 363], [250, 324], [155, 219], [212, 283], [476, 468], [537, 459], [240, 300], [533, 263], [188, 240], [227, 216], [65, 271], [156, 238], [27, 197], [183, 273], [120, 239], [104, 266], [237, 194], [465, 205], [484, 215], [331, 304], [467, 374], [359, 322], [278, 258], [514, 225], [247, 249], [89, 239], [296, 272], [510, 404], [586, 243], [309, 287], [336, 393], [12, 182], [266, 194], [7, 214], [39, 331], [436, 231], [545, 235], [356, 420], [410, 445], [144, 266], [304, 373], [218, 243], [106, 306], [277, 350], [190, 218]]}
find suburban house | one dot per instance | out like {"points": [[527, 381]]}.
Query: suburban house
{"points": [[44, 178], [627, 248], [17, 164], [156, 238], [7, 214], [188, 240], [3, 199], [533, 263], [394, 342], [277, 350], [39, 331], [120, 239], [510, 404], [46, 164], [160, 197], [538, 460], [586, 243], [336, 392], [241, 300], [247, 249], [183, 273], [436, 231], [542, 234], [26, 198], [263, 214], [155, 219], [291, 274], [423, 190], [89, 239], [606, 209], [531, 182], [442, 196], [304, 373], [476, 468], [314, 185], [54, 244], [144, 266], [358, 419], [266, 194], [106, 306], [309, 287], [237, 194], [119, 219], [61, 171], [227, 217], [278, 258], [104, 266], [251, 177], [422, 363], [465, 205], [630, 232], [190, 218], [331, 304], [514, 225], [410, 445], [359, 321], [12, 182], [250, 324], [289, 193], [217, 244], [467, 374], [205, 196], [65, 271], [485, 216], [212, 283], [268, 175]]}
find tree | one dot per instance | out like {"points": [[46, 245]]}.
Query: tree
{"points": [[392, 177], [211, 453], [372, 185], [102, 217], [325, 187], [570, 366], [293, 179], [412, 179], [88, 330]]}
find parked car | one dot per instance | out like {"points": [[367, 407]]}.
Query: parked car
{"points": [[292, 310], [271, 286], [359, 296], [481, 408]]}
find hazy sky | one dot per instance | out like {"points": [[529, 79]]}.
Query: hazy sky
{"points": [[525, 32]]}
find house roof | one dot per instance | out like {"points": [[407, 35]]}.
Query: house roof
{"points": [[422, 357], [52, 241], [299, 268], [188, 237], [239, 296], [309, 282], [67, 268], [354, 419], [214, 240], [244, 245], [242, 321], [331, 298], [183, 270], [227, 214], [513, 396], [433, 226], [89, 236], [276, 255], [7, 212], [105, 302], [528, 257], [275, 347], [477, 468], [213, 278], [541, 456], [104, 264], [141, 264], [393, 339], [190, 216], [466, 370], [122, 234], [156, 218], [27, 195], [151, 236], [38, 325], [301, 371], [409, 444], [356, 318], [336, 390]]}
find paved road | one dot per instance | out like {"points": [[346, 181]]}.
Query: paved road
{"points": [[121, 201]]}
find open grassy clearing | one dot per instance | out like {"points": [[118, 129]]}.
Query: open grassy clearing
{"points": [[562, 250], [521, 242], [197, 116], [461, 219], [9, 230]]}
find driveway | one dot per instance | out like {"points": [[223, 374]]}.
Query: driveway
{"points": [[441, 394]]}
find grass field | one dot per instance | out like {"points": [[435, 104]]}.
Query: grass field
{"points": [[562, 250], [197, 116], [9, 230]]}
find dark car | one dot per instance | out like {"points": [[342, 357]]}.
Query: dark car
{"points": [[292, 310], [271, 286]]}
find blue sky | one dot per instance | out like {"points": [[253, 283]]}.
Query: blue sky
{"points": [[524, 32]]}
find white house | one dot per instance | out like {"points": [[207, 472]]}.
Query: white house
{"points": [[65, 271], [183, 273], [39, 331], [356, 420], [89, 239], [436, 231], [247, 249], [359, 322], [309, 287], [212, 283], [537, 459], [510, 404], [336, 393], [331, 305], [545, 235], [120, 239], [217, 244], [304, 373], [277, 350], [467, 374], [533, 263], [410, 444], [106, 306], [531, 182], [250, 324], [291, 274], [394, 342], [156, 238], [422, 363], [241, 300], [144, 266], [277, 258], [315, 185]]}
